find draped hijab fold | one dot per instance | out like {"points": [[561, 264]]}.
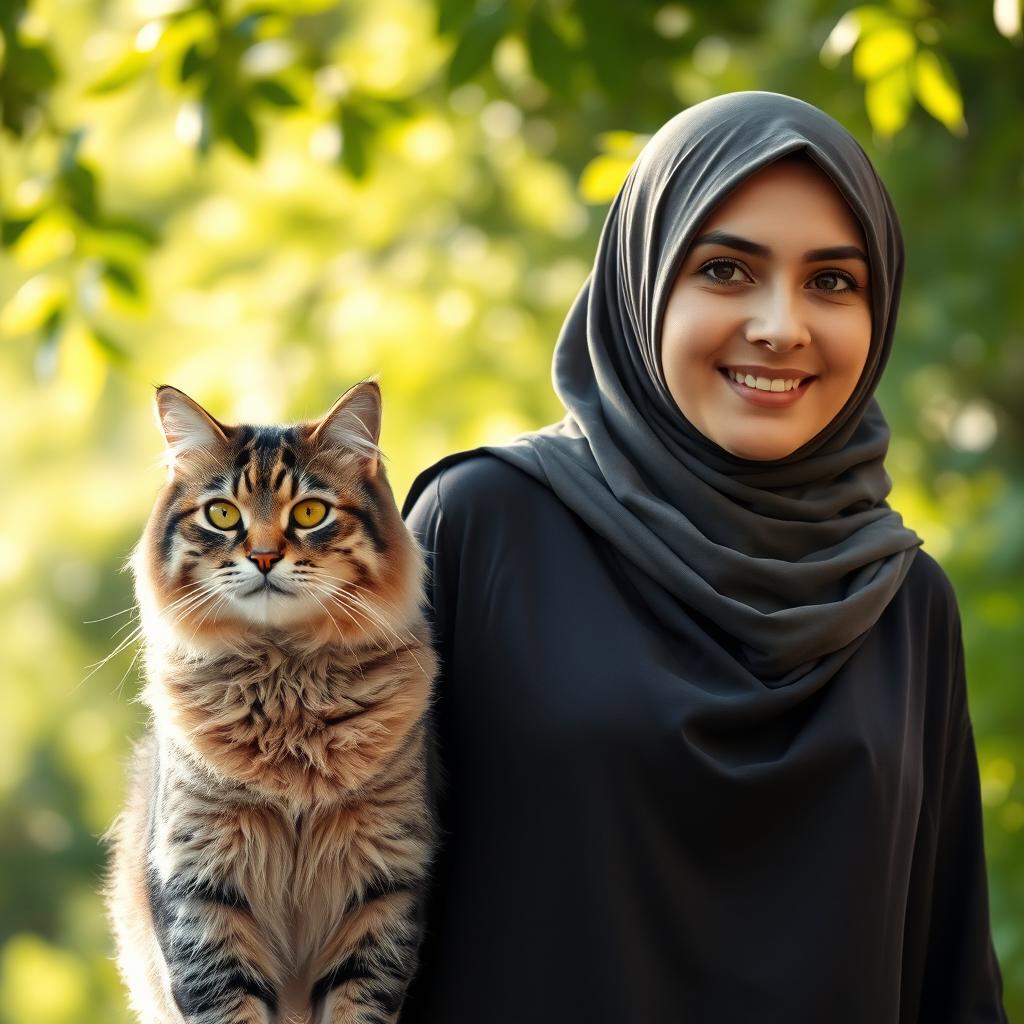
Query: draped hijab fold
{"points": [[796, 558]]}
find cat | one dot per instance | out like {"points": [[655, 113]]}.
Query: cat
{"points": [[270, 862]]}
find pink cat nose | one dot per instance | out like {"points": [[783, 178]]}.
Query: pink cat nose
{"points": [[265, 560]]}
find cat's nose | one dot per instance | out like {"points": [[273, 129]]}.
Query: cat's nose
{"points": [[265, 559]]}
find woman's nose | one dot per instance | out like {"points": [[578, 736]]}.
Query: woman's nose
{"points": [[779, 320]]}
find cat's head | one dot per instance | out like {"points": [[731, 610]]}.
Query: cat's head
{"points": [[262, 530]]}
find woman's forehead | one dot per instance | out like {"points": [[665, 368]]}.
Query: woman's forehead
{"points": [[790, 198]]}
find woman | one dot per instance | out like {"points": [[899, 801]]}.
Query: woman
{"points": [[704, 744]]}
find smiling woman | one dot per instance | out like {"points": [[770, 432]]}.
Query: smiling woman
{"points": [[705, 744], [761, 351]]}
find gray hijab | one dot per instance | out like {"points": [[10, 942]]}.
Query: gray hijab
{"points": [[790, 561]]}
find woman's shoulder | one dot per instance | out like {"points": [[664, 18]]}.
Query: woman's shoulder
{"points": [[930, 590], [474, 482]]}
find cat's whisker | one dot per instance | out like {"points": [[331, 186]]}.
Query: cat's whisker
{"points": [[125, 642], [326, 593], [112, 615], [370, 610], [213, 607], [349, 583], [309, 591], [373, 617], [197, 604]]}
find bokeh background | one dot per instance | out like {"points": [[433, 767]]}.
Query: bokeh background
{"points": [[263, 201]]}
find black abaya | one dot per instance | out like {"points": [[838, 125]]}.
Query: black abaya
{"points": [[631, 835]]}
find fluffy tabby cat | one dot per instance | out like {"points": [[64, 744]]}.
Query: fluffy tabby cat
{"points": [[270, 861]]}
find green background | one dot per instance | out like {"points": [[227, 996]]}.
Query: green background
{"points": [[263, 202]]}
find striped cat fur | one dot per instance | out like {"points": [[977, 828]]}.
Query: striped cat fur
{"points": [[270, 863]]}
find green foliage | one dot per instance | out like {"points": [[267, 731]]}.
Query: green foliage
{"points": [[262, 202]]}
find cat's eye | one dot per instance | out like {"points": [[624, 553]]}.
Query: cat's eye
{"points": [[309, 513], [223, 514]]}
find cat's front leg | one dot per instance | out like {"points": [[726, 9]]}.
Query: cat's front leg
{"points": [[367, 983], [217, 969]]}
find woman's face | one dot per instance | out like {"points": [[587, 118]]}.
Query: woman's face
{"points": [[756, 294]]}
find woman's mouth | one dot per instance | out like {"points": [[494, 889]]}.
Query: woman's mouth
{"points": [[761, 395]]}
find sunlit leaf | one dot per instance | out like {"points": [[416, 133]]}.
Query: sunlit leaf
{"points": [[603, 177], [621, 143], [33, 303], [889, 99], [129, 67], [195, 28], [50, 237], [883, 50], [291, 8], [938, 92]]}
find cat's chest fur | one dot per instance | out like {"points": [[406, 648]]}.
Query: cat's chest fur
{"points": [[304, 772], [304, 727]]}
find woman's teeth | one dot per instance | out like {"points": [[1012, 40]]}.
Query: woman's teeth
{"points": [[764, 383]]}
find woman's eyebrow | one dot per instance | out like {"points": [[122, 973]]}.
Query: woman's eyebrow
{"points": [[835, 252]]}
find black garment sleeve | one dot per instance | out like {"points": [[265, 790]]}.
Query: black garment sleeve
{"points": [[961, 982]]}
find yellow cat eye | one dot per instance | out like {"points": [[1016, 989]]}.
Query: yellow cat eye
{"points": [[309, 513], [223, 514]]}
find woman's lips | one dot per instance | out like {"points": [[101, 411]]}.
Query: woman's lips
{"points": [[767, 399]]}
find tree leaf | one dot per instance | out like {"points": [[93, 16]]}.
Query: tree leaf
{"points": [[33, 304], [122, 278], [550, 55], [130, 66], [356, 133], [453, 14], [112, 348], [883, 50], [937, 91], [241, 129], [889, 99], [274, 93], [475, 46], [192, 63], [603, 177], [11, 229], [79, 184]]}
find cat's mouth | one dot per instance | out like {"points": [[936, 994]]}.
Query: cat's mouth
{"points": [[264, 587]]}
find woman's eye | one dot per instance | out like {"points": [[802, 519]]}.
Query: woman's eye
{"points": [[835, 276], [222, 514], [308, 513], [709, 271]]}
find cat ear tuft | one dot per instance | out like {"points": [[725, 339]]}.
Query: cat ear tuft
{"points": [[353, 423], [188, 428]]}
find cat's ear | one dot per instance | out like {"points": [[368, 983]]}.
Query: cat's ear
{"points": [[188, 428], [354, 423]]}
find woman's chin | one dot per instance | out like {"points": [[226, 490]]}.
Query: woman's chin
{"points": [[759, 447]]}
